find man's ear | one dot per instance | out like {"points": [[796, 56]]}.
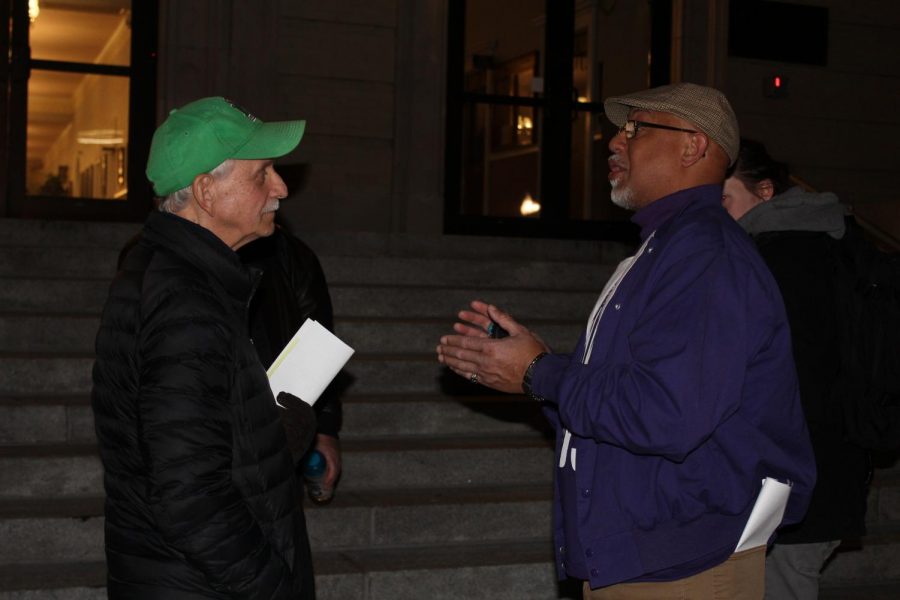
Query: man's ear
{"points": [[695, 149], [202, 190], [765, 189]]}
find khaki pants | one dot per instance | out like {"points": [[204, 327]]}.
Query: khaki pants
{"points": [[741, 577]]}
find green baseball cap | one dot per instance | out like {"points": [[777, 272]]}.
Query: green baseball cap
{"points": [[203, 134]]}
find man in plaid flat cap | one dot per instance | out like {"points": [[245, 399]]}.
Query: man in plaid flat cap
{"points": [[681, 397]]}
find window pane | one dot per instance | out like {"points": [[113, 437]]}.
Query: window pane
{"points": [[611, 49], [77, 135], [504, 39], [611, 52], [500, 175], [87, 31], [591, 133]]}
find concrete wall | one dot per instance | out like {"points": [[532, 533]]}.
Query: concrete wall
{"points": [[839, 127], [369, 76]]}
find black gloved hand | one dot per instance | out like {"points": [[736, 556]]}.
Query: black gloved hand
{"points": [[299, 423]]}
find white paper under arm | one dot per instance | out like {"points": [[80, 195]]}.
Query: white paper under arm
{"points": [[766, 514], [308, 363]]}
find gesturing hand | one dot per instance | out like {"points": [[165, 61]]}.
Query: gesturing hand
{"points": [[497, 363]]}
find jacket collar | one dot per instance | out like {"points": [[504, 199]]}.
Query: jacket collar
{"points": [[202, 249], [659, 212]]}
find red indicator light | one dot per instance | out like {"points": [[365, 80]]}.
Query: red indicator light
{"points": [[777, 82]]}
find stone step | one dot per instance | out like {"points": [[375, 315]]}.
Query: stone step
{"points": [[884, 496], [76, 333], [873, 558], [39, 233], [67, 419], [92, 262], [521, 581], [47, 333], [53, 373], [354, 520], [78, 475], [54, 581], [53, 295], [100, 263], [422, 336], [884, 590], [45, 374], [86, 297], [508, 570], [28, 232], [46, 419], [444, 303], [487, 274], [70, 470], [441, 415]]}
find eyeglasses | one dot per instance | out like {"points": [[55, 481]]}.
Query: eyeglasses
{"points": [[631, 128]]}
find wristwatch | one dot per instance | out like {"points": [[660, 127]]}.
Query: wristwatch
{"points": [[529, 373]]}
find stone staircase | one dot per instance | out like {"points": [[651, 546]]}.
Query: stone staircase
{"points": [[446, 487]]}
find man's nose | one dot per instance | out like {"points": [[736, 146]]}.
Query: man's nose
{"points": [[617, 143], [279, 188]]}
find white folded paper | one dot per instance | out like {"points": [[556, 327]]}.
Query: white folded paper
{"points": [[308, 363], [766, 514]]}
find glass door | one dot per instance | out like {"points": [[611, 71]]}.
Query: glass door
{"points": [[526, 135]]}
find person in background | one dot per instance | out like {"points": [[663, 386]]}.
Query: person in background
{"points": [[292, 289], [795, 231], [201, 497], [681, 395]]}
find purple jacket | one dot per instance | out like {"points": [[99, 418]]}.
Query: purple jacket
{"points": [[689, 399]]}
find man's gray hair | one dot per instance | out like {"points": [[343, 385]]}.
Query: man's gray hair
{"points": [[177, 200]]}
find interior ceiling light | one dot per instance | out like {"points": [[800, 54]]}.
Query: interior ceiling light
{"points": [[34, 10], [104, 137]]}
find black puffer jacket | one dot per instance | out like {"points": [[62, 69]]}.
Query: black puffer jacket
{"points": [[201, 497], [292, 289]]}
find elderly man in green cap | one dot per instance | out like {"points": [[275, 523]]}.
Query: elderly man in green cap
{"points": [[681, 396], [201, 497]]}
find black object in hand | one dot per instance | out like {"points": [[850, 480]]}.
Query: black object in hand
{"points": [[299, 423], [495, 331]]}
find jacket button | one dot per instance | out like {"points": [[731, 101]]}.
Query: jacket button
{"points": [[594, 572], [650, 250], [618, 306], [585, 493], [562, 550], [589, 553]]}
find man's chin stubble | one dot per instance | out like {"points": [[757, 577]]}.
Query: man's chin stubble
{"points": [[622, 197]]}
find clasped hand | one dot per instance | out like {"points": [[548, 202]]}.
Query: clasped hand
{"points": [[496, 363]]}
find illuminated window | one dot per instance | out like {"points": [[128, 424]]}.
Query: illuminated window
{"points": [[72, 131], [77, 131]]}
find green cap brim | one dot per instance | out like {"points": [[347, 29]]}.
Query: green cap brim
{"points": [[272, 140]]}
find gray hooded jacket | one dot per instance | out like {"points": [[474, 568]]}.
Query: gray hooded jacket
{"points": [[797, 210]]}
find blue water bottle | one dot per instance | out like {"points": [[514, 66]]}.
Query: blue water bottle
{"points": [[314, 476]]}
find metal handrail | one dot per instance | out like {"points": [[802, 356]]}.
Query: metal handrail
{"points": [[884, 239]]}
